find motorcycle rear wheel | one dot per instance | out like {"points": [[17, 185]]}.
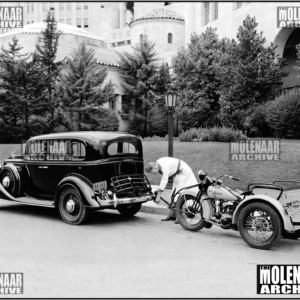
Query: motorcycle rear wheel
{"points": [[187, 219], [259, 225]]}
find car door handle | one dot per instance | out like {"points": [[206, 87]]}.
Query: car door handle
{"points": [[43, 167]]}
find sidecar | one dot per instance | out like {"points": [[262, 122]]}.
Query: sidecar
{"points": [[283, 197]]}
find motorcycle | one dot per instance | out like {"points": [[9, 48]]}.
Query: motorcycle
{"points": [[259, 217]]}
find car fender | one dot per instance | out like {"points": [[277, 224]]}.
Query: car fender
{"points": [[82, 184], [16, 173], [268, 200]]}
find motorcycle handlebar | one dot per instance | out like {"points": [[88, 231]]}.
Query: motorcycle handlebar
{"points": [[228, 176]]}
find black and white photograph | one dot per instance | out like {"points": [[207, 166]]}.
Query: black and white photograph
{"points": [[149, 149]]}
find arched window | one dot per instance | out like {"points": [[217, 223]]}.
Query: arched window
{"points": [[141, 38], [170, 38]]}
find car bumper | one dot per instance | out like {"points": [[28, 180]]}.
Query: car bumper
{"points": [[121, 201]]}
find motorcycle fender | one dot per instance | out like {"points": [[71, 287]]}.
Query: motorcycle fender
{"points": [[268, 200], [83, 186]]}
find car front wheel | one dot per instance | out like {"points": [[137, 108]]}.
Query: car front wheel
{"points": [[71, 207]]}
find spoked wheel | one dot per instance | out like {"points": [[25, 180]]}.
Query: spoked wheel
{"points": [[9, 181], [190, 216], [259, 225], [71, 207], [129, 210]]}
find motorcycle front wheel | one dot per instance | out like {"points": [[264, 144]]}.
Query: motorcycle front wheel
{"points": [[259, 225], [190, 214]]}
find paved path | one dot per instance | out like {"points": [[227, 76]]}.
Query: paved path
{"points": [[114, 256]]}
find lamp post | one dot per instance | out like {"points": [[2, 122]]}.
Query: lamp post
{"points": [[170, 98]]}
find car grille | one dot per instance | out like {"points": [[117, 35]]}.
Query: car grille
{"points": [[131, 185]]}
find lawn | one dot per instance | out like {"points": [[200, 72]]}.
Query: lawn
{"points": [[213, 157]]}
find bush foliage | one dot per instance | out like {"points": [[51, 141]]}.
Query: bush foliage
{"points": [[215, 134]]}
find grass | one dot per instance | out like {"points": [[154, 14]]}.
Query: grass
{"points": [[213, 157]]}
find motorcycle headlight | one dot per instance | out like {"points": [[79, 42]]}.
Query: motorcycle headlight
{"points": [[202, 175]]}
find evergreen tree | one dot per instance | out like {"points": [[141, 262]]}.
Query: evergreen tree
{"points": [[22, 98], [82, 89], [138, 71], [46, 51], [158, 114], [196, 77], [254, 75]]}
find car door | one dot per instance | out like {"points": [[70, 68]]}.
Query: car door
{"points": [[37, 169], [57, 159]]}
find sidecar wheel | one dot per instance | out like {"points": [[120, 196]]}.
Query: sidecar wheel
{"points": [[187, 219], [259, 225]]}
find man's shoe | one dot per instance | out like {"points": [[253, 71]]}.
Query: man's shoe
{"points": [[168, 219], [176, 222]]}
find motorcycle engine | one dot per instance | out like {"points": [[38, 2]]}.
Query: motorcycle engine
{"points": [[227, 209]]}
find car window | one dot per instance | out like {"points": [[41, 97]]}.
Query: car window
{"points": [[121, 148], [58, 150], [78, 151], [35, 150]]}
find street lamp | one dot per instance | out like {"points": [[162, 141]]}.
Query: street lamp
{"points": [[170, 98]]}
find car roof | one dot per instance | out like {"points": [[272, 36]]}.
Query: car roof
{"points": [[84, 135]]}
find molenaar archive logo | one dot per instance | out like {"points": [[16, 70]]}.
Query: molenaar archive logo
{"points": [[11, 283], [11, 17], [255, 149], [278, 279], [288, 16]]}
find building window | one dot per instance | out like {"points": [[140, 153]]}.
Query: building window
{"points": [[79, 22], [86, 6], [141, 38], [78, 5], [62, 5], [69, 21], [45, 6], [61, 21], [31, 6], [69, 5], [86, 22], [51, 5], [170, 38], [216, 12], [112, 104], [206, 12], [102, 6], [28, 7], [239, 5], [167, 3]]}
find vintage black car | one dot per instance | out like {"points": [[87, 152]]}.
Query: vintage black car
{"points": [[78, 172]]}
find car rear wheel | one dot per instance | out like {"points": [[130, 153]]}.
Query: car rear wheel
{"points": [[130, 209], [71, 207]]}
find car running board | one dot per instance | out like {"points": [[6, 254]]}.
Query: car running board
{"points": [[25, 200]]}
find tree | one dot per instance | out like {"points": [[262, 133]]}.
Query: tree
{"points": [[46, 52], [82, 88], [23, 99], [253, 76], [158, 113], [196, 76], [138, 71]]}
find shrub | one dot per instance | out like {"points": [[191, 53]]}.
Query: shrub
{"points": [[136, 125], [256, 122], [158, 120], [215, 134], [283, 115]]}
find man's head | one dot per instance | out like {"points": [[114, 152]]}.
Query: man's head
{"points": [[152, 167]]}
